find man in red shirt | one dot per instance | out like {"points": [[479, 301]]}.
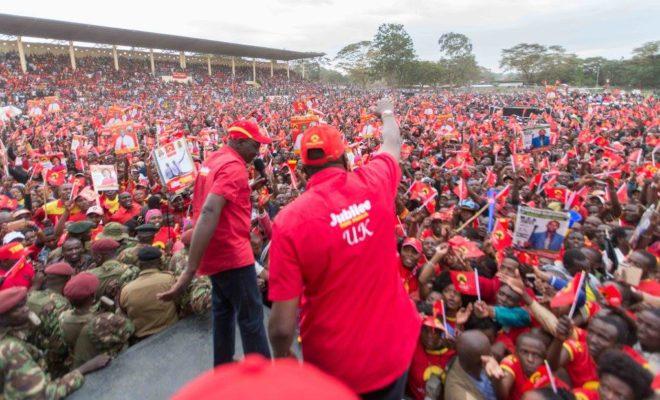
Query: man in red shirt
{"points": [[128, 209], [334, 253], [220, 245]]}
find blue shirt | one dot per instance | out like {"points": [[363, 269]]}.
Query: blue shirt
{"points": [[484, 386]]}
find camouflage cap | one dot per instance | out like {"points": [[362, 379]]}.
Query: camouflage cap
{"points": [[114, 230], [109, 332]]}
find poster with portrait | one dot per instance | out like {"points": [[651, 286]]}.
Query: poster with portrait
{"points": [[536, 137], [175, 165], [104, 177], [540, 231]]}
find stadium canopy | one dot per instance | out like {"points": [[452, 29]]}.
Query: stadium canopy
{"points": [[72, 31]]}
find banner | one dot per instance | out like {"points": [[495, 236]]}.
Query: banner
{"points": [[540, 231], [536, 137], [175, 165], [104, 177], [302, 122]]}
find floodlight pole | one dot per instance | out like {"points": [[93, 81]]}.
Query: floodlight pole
{"points": [[151, 60], [21, 53], [208, 64], [287, 70], [114, 57], [233, 66], [182, 60], [272, 65], [254, 70], [303, 69], [72, 55]]}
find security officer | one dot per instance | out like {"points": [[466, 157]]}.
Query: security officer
{"points": [[138, 298], [145, 237], [111, 273], [21, 364]]}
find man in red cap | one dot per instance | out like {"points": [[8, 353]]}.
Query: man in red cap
{"points": [[220, 245], [336, 246], [15, 270]]}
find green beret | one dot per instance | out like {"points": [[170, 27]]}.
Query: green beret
{"points": [[79, 227], [147, 228], [149, 253]]}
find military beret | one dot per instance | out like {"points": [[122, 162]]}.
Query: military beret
{"points": [[10, 298], [149, 253], [104, 245], [187, 237], [81, 286], [147, 228], [79, 227], [60, 268]]}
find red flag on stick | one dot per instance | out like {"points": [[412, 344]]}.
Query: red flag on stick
{"points": [[464, 282]]}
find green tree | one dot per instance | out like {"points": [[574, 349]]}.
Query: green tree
{"points": [[455, 45], [525, 58], [355, 60], [645, 65], [392, 49], [557, 65], [458, 61], [593, 71]]}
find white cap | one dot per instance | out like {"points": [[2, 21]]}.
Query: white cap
{"points": [[11, 236], [94, 210]]}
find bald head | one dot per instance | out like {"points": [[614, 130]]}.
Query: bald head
{"points": [[471, 345]]}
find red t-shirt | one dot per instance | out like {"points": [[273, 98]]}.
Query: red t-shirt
{"points": [[224, 174], [410, 281], [511, 364], [335, 245], [581, 367], [426, 363], [23, 277], [123, 215]]}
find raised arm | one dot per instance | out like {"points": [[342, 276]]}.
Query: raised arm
{"points": [[391, 134]]}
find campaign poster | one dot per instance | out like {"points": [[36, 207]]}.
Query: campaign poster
{"points": [[540, 231], [175, 165], [125, 141], [536, 137], [104, 177]]}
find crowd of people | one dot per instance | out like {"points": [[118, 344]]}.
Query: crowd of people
{"points": [[571, 313]]}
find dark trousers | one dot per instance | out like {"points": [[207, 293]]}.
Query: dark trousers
{"points": [[236, 297], [393, 391]]}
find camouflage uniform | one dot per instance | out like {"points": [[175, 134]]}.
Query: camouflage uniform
{"points": [[129, 255], [88, 335], [23, 373], [112, 276], [197, 297], [48, 305]]}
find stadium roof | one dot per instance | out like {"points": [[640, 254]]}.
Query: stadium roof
{"points": [[61, 30]]}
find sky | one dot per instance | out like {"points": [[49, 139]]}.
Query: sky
{"points": [[606, 28]]}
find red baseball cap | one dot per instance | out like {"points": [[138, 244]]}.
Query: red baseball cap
{"points": [[244, 129], [414, 243], [322, 137], [256, 378]]}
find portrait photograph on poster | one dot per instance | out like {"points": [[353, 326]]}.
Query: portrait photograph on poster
{"points": [[540, 231], [104, 177], [175, 165]]}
